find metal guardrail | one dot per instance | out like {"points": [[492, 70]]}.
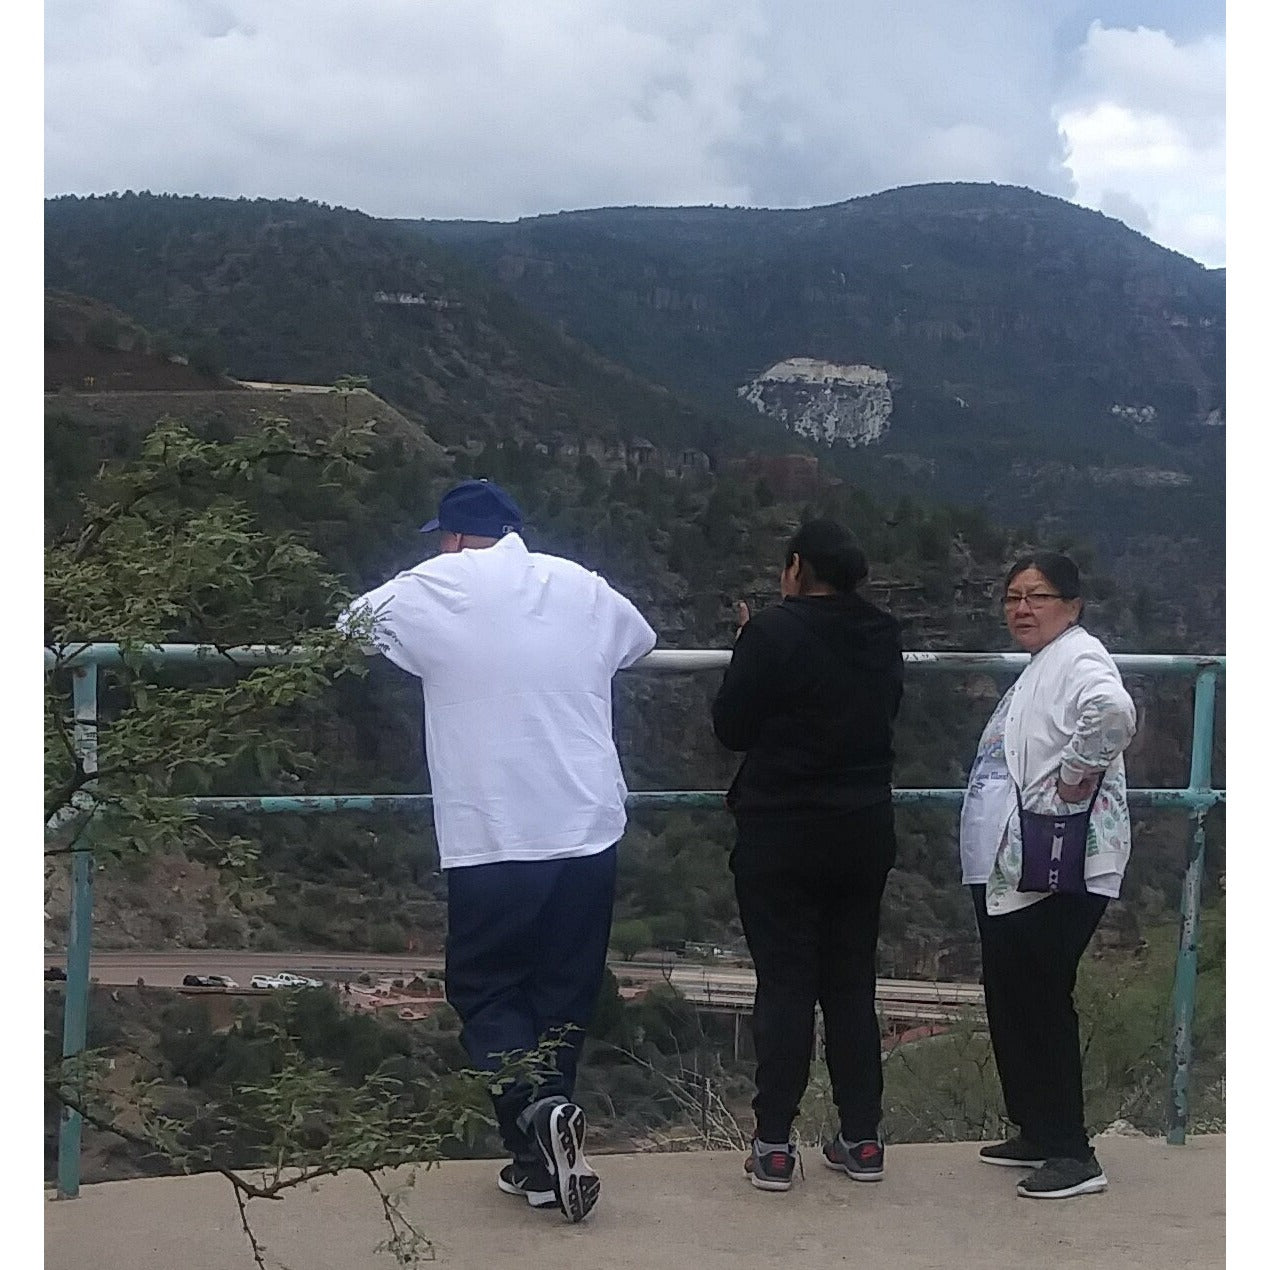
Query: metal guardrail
{"points": [[83, 660]]}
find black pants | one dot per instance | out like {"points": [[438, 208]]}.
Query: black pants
{"points": [[810, 914], [1029, 971], [524, 961]]}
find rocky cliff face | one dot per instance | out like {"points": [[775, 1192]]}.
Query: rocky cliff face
{"points": [[847, 405]]}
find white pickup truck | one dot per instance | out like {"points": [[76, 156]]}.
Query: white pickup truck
{"points": [[284, 979]]}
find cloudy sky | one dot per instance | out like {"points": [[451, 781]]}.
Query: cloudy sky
{"points": [[504, 108]]}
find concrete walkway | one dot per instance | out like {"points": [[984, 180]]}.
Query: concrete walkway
{"points": [[938, 1207]]}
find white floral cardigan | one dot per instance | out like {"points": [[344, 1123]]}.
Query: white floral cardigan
{"points": [[1067, 714]]}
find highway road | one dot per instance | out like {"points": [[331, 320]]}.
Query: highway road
{"points": [[166, 969], [724, 987]]}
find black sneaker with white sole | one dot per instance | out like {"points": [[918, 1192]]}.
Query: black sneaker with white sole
{"points": [[530, 1181], [1016, 1152], [559, 1130], [1063, 1178], [860, 1161], [771, 1170]]}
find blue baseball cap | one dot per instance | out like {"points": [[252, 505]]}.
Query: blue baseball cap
{"points": [[477, 507]]}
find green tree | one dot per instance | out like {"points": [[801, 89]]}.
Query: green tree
{"points": [[669, 929], [631, 937], [591, 477], [608, 1022], [208, 357], [161, 344], [166, 550], [103, 333]]}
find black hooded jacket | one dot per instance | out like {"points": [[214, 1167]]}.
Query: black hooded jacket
{"points": [[811, 696]]}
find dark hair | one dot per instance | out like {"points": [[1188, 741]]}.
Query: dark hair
{"points": [[832, 552], [1059, 570]]}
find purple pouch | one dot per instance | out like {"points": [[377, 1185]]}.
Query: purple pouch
{"points": [[1054, 848]]}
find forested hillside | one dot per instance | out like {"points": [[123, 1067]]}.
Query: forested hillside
{"points": [[1044, 362], [685, 543]]}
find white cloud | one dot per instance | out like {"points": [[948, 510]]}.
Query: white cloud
{"points": [[1144, 120], [501, 108], [1160, 75], [1124, 207], [498, 108]]}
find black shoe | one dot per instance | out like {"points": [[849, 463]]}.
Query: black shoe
{"points": [[559, 1129], [862, 1161], [1016, 1152], [531, 1181], [1063, 1178], [771, 1170]]}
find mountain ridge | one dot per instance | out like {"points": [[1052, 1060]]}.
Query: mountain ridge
{"points": [[945, 189]]}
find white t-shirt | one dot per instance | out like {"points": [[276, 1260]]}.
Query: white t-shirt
{"points": [[517, 653]]}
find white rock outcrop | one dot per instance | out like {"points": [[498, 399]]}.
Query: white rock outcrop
{"points": [[1134, 414], [836, 404]]}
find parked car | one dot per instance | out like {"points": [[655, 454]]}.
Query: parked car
{"points": [[297, 981], [284, 979], [55, 974], [208, 981]]}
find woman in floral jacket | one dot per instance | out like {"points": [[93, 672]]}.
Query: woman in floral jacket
{"points": [[1053, 744]]}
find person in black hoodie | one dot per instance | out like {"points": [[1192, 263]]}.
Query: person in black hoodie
{"points": [[811, 697]]}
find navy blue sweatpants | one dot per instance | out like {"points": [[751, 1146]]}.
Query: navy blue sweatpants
{"points": [[524, 960]]}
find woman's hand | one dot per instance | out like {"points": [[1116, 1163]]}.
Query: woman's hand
{"points": [[1080, 792], [742, 615]]}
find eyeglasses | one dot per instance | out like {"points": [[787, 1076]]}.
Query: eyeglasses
{"points": [[1033, 598]]}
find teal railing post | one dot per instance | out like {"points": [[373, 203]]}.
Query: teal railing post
{"points": [[75, 1020], [1188, 936]]}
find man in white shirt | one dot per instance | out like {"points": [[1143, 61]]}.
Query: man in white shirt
{"points": [[517, 652]]}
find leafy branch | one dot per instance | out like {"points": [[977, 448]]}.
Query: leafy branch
{"points": [[170, 550]]}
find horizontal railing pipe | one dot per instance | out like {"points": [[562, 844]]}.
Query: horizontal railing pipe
{"points": [[325, 804], [687, 660]]}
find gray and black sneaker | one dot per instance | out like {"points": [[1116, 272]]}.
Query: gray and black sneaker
{"points": [[771, 1170], [529, 1180], [860, 1161], [1016, 1152], [1062, 1178], [559, 1129]]}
